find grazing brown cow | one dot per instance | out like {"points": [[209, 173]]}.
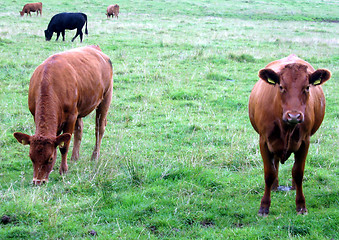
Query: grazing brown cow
{"points": [[64, 88], [113, 10], [286, 107], [31, 7]]}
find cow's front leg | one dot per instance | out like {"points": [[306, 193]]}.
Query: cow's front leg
{"points": [[275, 184], [64, 150], [298, 175], [58, 34], [79, 125], [68, 128], [63, 35], [270, 173]]}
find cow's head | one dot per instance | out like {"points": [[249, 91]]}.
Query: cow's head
{"points": [[21, 13], [48, 35], [294, 83], [42, 153]]}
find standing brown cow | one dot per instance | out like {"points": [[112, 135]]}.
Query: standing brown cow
{"points": [[31, 7], [286, 107], [113, 10], [64, 88]]}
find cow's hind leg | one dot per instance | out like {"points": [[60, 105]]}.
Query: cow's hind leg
{"points": [[100, 122], [270, 173], [79, 32], [63, 35], [298, 175], [79, 125]]}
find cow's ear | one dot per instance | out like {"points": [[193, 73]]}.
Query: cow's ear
{"points": [[22, 138], [269, 76], [63, 139], [320, 76]]}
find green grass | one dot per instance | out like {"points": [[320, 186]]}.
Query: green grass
{"points": [[179, 158]]}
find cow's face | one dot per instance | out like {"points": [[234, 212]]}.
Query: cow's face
{"points": [[294, 83], [48, 35], [42, 153], [21, 13]]}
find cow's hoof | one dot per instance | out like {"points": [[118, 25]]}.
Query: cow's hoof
{"points": [[95, 156], [63, 169], [75, 158], [302, 211], [263, 212]]}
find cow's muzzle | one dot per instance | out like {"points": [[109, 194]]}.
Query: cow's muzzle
{"points": [[38, 182], [293, 118]]}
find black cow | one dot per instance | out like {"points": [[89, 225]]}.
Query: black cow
{"points": [[62, 21]]}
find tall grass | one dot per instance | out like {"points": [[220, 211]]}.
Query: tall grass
{"points": [[179, 158]]}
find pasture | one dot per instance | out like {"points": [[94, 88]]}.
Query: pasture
{"points": [[179, 158]]}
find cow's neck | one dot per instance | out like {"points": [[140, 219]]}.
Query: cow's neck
{"points": [[291, 140], [285, 138], [46, 118], [290, 133]]}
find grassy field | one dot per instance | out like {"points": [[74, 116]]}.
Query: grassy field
{"points": [[179, 158]]}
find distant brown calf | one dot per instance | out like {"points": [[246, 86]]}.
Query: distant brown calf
{"points": [[286, 107], [65, 88], [31, 7], [113, 10]]}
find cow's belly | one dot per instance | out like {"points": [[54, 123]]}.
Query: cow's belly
{"points": [[88, 106], [90, 95]]}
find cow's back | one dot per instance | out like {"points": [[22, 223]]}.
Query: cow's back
{"points": [[110, 9], [281, 63], [65, 20], [77, 78]]}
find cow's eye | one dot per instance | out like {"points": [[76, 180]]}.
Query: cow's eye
{"points": [[282, 89], [50, 160], [307, 89]]}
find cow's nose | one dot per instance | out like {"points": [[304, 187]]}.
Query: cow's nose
{"points": [[294, 118], [36, 182], [39, 182]]}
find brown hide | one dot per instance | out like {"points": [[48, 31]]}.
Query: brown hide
{"points": [[31, 7], [286, 107], [113, 10], [64, 88]]}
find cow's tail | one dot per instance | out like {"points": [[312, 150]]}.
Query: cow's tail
{"points": [[85, 16]]}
